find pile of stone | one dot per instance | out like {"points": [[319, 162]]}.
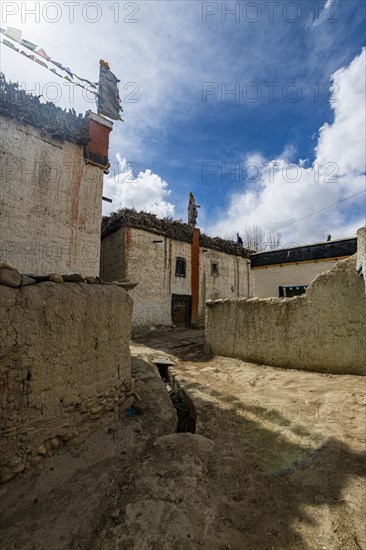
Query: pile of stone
{"points": [[10, 276]]}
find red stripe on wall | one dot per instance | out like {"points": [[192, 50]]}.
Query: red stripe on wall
{"points": [[195, 273]]}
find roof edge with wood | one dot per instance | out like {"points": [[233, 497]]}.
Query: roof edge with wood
{"points": [[60, 124], [167, 227]]}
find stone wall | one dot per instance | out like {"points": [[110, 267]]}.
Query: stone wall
{"points": [[323, 330], [51, 203], [64, 364]]}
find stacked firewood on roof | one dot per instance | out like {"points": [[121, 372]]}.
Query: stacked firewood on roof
{"points": [[173, 229], [59, 123]]}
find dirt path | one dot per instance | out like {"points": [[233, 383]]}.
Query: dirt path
{"points": [[289, 453], [277, 462]]}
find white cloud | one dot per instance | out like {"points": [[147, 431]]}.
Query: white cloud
{"points": [[286, 192], [329, 13], [329, 3], [142, 190]]}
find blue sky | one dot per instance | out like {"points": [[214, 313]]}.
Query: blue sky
{"points": [[182, 132]]}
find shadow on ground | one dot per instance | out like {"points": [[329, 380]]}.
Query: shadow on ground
{"points": [[250, 479], [185, 344]]}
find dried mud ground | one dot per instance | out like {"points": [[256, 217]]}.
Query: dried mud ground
{"points": [[277, 462]]}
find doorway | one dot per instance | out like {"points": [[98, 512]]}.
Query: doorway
{"points": [[181, 310]]}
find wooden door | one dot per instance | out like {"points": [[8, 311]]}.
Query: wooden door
{"points": [[181, 310]]}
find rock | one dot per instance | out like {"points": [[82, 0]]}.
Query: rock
{"points": [[14, 461], [10, 277], [38, 278], [36, 460], [73, 278], [126, 403], [91, 280], [42, 450], [95, 410], [7, 265], [18, 468], [139, 406], [115, 515], [55, 442], [7, 477], [56, 278], [27, 281], [69, 436]]}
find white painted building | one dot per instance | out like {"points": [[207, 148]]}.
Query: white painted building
{"points": [[176, 268], [52, 166], [287, 272]]}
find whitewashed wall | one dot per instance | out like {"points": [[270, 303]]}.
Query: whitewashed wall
{"points": [[234, 279], [361, 253], [152, 265], [50, 202], [132, 253], [268, 279]]}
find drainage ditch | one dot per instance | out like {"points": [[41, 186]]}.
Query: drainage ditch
{"points": [[186, 412]]}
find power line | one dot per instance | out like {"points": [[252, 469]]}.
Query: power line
{"points": [[321, 210]]}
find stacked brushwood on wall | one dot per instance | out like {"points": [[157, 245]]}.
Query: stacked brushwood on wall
{"points": [[63, 125], [172, 229], [129, 217], [51, 198], [146, 249]]}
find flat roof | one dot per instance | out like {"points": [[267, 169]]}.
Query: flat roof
{"points": [[338, 248]]}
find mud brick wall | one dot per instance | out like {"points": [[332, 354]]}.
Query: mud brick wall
{"points": [[322, 330], [64, 364], [51, 203], [150, 260], [132, 253], [361, 253]]}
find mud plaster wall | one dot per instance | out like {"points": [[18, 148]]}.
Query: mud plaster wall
{"points": [[112, 257], [132, 253], [64, 359], [50, 201], [322, 330], [152, 265], [234, 278], [361, 253]]}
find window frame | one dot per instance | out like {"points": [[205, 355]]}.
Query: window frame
{"points": [[179, 261], [214, 268]]}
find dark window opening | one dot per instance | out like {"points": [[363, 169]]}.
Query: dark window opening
{"points": [[290, 291], [180, 267], [214, 268]]}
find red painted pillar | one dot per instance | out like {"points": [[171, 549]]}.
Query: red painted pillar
{"points": [[195, 273]]}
